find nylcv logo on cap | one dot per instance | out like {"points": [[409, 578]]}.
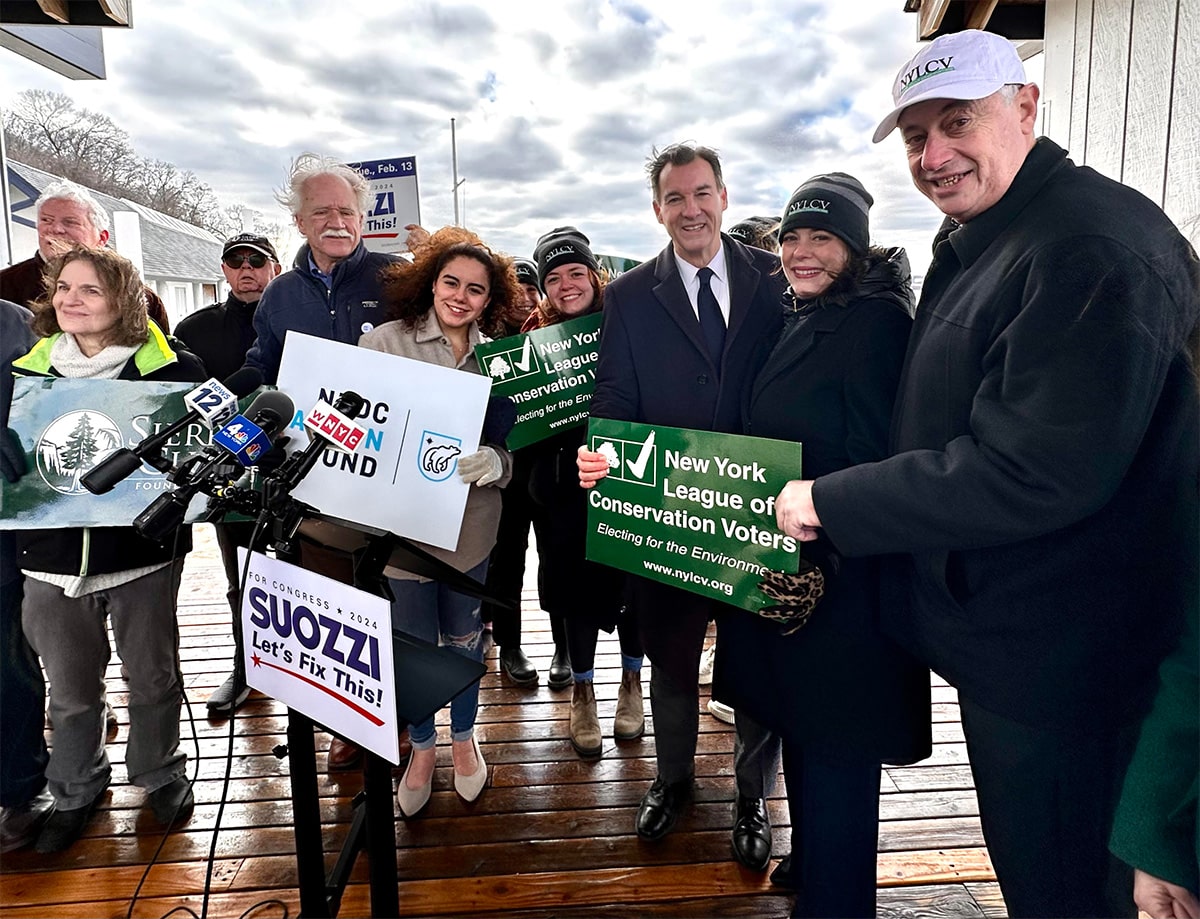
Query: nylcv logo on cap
{"points": [[560, 250], [925, 71]]}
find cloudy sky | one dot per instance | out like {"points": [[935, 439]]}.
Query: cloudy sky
{"points": [[557, 105]]}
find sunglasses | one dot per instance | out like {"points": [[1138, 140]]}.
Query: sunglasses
{"points": [[256, 260]]}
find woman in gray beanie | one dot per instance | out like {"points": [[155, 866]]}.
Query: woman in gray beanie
{"points": [[842, 695]]}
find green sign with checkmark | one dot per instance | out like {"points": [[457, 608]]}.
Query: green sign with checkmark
{"points": [[693, 509], [549, 373]]}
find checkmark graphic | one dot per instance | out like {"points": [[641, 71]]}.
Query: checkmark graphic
{"points": [[522, 363], [638, 466]]}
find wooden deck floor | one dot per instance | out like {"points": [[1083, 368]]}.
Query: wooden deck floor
{"points": [[551, 837]]}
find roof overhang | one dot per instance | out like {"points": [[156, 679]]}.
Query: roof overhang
{"points": [[63, 36], [1021, 21]]}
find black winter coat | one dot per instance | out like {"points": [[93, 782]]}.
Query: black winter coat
{"points": [[829, 381]]}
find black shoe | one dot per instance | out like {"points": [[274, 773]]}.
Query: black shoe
{"points": [[752, 833], [560, 670], [518, 667], [64, 827], [21, 823], [173, 802], [661, 806], [782, 875], [229, 695]]}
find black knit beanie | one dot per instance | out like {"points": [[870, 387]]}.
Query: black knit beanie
{"points": [[527, 272], [835, 202], [562, 246]]}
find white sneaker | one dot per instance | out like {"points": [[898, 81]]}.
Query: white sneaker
{"points": [[720, 711], [706, 664]]}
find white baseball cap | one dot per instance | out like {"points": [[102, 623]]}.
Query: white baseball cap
{"points": [[970, 64]]}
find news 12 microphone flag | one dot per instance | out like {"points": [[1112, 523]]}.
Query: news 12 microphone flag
{"points": [[67, 427], [419, 419], [322, 648]]}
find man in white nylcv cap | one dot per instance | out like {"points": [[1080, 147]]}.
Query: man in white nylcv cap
{"points": [[1041, 497]]}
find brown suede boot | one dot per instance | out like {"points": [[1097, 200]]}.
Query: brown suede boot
{"points": [[585, 724], [630, 721]]}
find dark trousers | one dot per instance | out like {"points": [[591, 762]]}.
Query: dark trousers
{"points": [[1046, 801], [676, 712], [229, 537], [23, 755], [583, 633], [833, 800]]}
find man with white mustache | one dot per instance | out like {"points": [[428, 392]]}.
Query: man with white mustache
{"points": [[332, 290]]}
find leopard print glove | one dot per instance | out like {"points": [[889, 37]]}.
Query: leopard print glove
{"points": [[797, 595]]}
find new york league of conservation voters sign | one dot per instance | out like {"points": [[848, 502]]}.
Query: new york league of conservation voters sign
{"points": [[692, 509], [549, 373]]}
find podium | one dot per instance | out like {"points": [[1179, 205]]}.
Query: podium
{"points": [[426, 678]]}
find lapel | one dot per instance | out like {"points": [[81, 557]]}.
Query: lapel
{"points": [[671, 295], [743, 286], [799, 340]]}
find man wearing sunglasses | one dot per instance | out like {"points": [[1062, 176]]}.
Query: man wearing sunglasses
{"points": [[221, 335]]}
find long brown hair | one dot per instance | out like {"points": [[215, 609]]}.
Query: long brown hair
{"points": [[122, 287]]}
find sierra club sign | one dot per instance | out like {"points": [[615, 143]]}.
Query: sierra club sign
{"points": [[692, 509], [65, 427], [549, 373]]}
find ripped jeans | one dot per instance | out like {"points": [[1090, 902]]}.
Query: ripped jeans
{"points": [[433, 612]]}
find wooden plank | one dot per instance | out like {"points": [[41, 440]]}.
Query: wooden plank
{"points": [[930, 17], [1080, 77], [979, 13], [987, 895], [1108, 86], [1182, 194], [1148, 112]]}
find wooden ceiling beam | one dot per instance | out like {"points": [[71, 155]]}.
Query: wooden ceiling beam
{"points": [[56, 10], [931, 15], [979, 13]]}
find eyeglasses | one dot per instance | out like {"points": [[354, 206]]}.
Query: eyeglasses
{"points": [[256, 260]]}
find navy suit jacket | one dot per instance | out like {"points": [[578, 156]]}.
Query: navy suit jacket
{"points": [[654, 367]]}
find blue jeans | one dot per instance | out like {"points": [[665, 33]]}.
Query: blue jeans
{"points": [[431, 611]]}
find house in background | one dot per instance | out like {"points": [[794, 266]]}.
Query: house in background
{"points": [[179, 261], [1119, 90]]}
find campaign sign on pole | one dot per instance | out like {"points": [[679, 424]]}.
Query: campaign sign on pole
{"points": [[419, 419], [322, 648], [67, 427], [394, 203], [616, 265], [692, 509], [549, 373]]}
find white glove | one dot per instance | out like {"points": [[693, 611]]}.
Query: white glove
{"points": [[483, 467]]}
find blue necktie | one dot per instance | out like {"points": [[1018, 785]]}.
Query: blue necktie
{"points": [[712, 323]]}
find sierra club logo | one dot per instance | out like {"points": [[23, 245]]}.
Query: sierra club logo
{"points": [[938, 65], [71, 445]]}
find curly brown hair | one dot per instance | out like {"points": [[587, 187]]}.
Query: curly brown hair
{"points": [[122, 285], [407, 287]]}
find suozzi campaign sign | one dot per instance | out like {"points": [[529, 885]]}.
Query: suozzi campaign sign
{"points": [[393, 202], [549, 373], [692, 509], [322, 648], [67, 427]]}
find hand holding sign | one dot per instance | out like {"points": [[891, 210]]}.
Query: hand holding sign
{"points": [[592, 466]]}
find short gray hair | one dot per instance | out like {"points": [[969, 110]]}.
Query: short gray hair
{"points": [[308, 166], [69, 191]]}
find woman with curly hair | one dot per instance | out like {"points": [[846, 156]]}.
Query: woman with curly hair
{"points": [[435, 307]]}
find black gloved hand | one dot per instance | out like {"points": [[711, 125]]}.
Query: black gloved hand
{"points": [[12, 457], [798, 595]]}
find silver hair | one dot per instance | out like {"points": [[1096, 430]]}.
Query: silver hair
{"points": [[1008, 92], [69, 191], [308, 166]]}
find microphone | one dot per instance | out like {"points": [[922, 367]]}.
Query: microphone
{"points": [[211, 402], [245, 438], [329, 426]]}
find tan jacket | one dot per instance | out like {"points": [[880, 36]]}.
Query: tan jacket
{"points": [[425, 342]]}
